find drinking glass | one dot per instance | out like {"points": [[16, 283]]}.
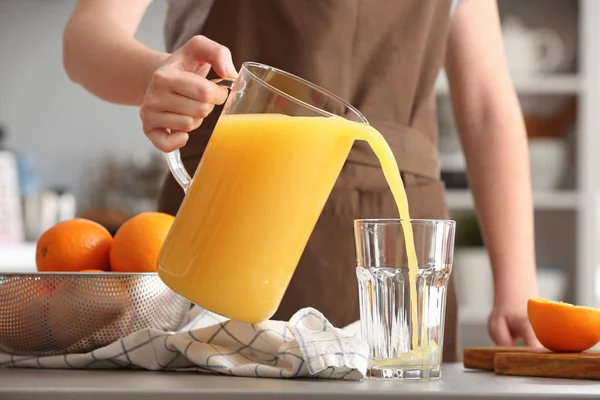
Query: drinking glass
{"points": [[405, 335]]}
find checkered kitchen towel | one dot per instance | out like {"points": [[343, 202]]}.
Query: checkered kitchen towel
{"points": [[306, 346]]}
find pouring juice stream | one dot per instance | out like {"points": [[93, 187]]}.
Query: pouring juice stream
{"points": [[392, 175]]}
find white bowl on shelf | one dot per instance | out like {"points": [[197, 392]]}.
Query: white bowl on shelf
{"points": [[548, 159]]}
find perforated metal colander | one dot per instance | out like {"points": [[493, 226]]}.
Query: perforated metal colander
{"points": [[43, 314]]}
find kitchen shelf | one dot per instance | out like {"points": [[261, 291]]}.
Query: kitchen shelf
{"points": [[543, 84], [460, 200]]}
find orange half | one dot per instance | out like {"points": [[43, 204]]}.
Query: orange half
{"points": [[563, 327]]}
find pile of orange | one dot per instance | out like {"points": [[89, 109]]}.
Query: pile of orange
{"points": [[563, 327], [82, 245]]}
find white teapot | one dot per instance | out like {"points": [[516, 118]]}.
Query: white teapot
{"points": [[531, 51]]}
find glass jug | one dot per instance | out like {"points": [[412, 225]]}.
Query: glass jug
{"points": [[269, 167]]}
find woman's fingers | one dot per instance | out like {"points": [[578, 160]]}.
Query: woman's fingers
{"points": [[179, 96], [200, 49], [170, 121], [188, 84], [165, 141], [177, 104]]}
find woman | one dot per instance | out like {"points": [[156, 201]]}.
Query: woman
{"points": [[382, 56]]}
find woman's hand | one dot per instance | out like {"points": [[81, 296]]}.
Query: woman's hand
{"points": [[508, 321], [179, 96]]}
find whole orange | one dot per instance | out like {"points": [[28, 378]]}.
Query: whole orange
{"points": [[73, 245], [563, 327], [137, 244]]}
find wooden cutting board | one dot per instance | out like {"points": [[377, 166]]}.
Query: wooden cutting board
{"points": [[524, 361]]}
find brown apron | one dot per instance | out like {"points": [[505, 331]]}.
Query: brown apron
{"points": [[382, 56]]}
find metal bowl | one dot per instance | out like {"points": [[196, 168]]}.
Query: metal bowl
{"points": [[45, 314]]}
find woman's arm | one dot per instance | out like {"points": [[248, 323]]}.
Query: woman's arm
{"points": [[101, 54], [492, 132]]}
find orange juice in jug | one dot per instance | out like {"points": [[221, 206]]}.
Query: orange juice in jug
{"points": [[258, 193]]}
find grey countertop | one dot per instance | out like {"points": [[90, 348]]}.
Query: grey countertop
{"points": [[456, 383]]}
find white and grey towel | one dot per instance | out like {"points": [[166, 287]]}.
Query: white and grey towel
{"points": [[307, 346]]}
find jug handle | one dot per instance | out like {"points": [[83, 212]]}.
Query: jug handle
{"points": [[174, 161]]}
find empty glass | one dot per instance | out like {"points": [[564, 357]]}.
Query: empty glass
{"points": [[404, 330]]}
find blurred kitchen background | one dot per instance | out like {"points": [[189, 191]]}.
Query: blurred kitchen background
{"points": [[72, 154]]}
